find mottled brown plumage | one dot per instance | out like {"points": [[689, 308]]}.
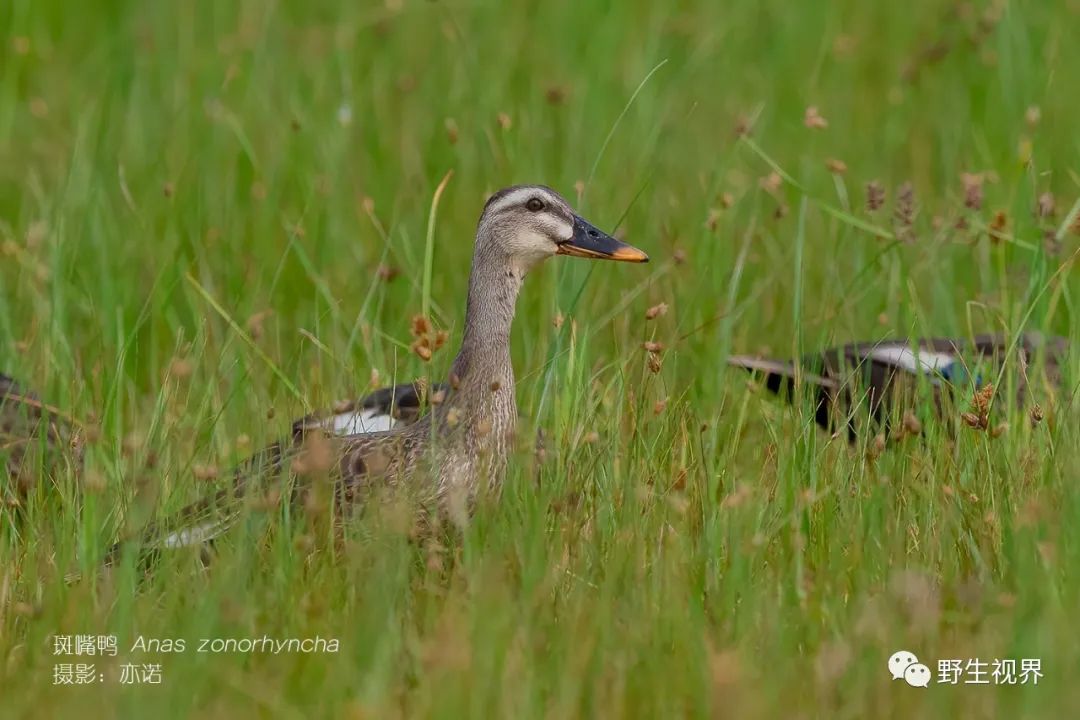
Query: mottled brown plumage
{"points": [[460, 448], [36, 441]]}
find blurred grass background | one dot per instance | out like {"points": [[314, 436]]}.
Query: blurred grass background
{"points": [[207, 205]]}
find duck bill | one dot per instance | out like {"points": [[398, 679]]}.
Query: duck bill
{"points": [[589, 242]]}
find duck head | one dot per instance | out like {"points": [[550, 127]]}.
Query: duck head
{"points": [[530, 223]]}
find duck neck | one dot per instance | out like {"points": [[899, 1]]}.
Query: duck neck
{"points": [[484, 357]]}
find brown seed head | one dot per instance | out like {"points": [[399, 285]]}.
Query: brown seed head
{"points": [[875, 196], [656, 311], [181, 368], [771, 183], [420, 326], [655, 362], [813, 119], [1045, 206], [256, 323], [713, 220], [998, 225], [911, 424], [973, 421], [421, 349], [555, 94], [973, 190], [905, 211], [204, 473]]}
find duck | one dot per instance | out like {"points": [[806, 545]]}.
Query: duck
{"points": [[36, 440], [879, 379], [456, 451]]}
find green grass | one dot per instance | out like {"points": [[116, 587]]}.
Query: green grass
{"points": [[170, 170]]}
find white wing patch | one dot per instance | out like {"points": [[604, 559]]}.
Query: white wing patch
{"points": [[359, 422], [925, 361], [194, 536]]}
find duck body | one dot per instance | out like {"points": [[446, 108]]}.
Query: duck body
{"points": [[876, 379], [35, 440], [459, 449]]}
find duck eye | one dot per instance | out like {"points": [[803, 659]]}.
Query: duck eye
{"points": [[534, 205]]}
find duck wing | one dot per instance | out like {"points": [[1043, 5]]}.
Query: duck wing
{"points": [[321, 444], [382, 410]]}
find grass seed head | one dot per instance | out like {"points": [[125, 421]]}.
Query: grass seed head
{"points": [[256, 324], [812, 119], [181, 368], [998, 225], [316, 455], [905, 211], [875, 196], [555, 94], [655, 362], [205, 473], [771, 183], [1045, 206], [420, 326], [656, 311], [836, 166], [973, 190], [421, 349]]}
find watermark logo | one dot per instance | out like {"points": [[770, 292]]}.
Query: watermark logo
{"points": [[904, 665], [899, 662], [917, 675]]}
